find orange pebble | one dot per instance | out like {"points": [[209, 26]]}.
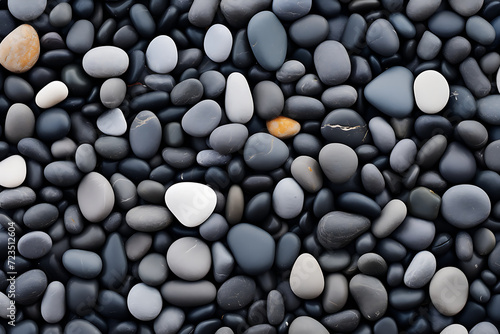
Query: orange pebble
{"points": [[20, 49], [283, 127]]}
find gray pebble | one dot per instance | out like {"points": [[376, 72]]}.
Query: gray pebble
{"points": [[306, 324], [490, 62], [484, 241], [307, 172], [463, 246], [446, 24], [192, 265], [209, 158], [382, 133], [161, 54], [80, 36], [291, 10], [144, 302], [180, 158], [63, 148], [337, 229], [275, 307], [479, 291], [491, 158], [382, 38], [82, 263], [26, 10], [268, 99], [153, 269], [112, 92], [148, 218], [30, 286], [418, 10], [480, 30], [169, 321], [125, 191], [202, 118], [429, 46], [466, 7], [457, 164], [34, 245], [484, 327], [370, 295], [214, 228], [239, 12], [145, 135], [112, 148], [474, 78], [403, 26], [309, 30], [372, 264], [16, 198], [236, 293], [19, 123], [456, 49], [372, 179], [95, 197], [310, 85], [40, 216], [138, 245], [414, 233], [60, 15], [223, 262], [306, 278], [353, 34], [420, 271], [85, 158], [53, 306], [290, 71], [342, 96], [162, 82], [332, 63], [338, 161], [403, 155], [186, 92], [303, 108], [213, 83], [336, 293], [114, 262], [105, 62], [288, 198], [79, 325], [264, 152], [188, 294], [151, 191], [345, 321], [465, 206], [453, 281], [228, 138]]}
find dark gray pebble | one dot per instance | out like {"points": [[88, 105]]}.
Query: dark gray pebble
{"points": [[188, 294], [446, 24], [415, 233], [236, 293], [53, 124], [344, 126], [34, 245], [303, 108], [456, 49], [114, 262], [179, 157], [30, 286], [474, 78], [40, 216], [16, 198], [213, 83], [345, 321], [153, 269], [429, 46], [187, 92], [148, 218], [382, 38], [457, 164], [370, 295], [457, 204], [309, 30], [202, 118], [472, 133], [264, 152], [337, 229]]}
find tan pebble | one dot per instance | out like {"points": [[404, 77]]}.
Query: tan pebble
{"points": [[283, 127], [20, 49]]}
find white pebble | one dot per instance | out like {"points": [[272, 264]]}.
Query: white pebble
{"points": [[50, 95], [431, 91]]}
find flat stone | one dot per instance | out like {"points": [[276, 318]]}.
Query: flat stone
{"points": [[337, 229], [82, 263], [161, 54], [472, 133], [306, 277], [332, 63], [421, 270], [239, 104], [345, 321], [95, 197], [341, 96], [105, 62], [252, 247], [17, 197], [370, 295], [338, 161], [148, 218], [431, 91], [465, 206], [449, 290], [189, 258], [144, 302], [392, 92], [12, 171]]}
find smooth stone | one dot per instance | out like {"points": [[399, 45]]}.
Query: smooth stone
{"points": [[465, 206], [137, 245], [303, 108], [201, 13], [210, 158], [95, 197], [17, 89], [431, 151], [448, 290], [13, 171], [191, 203], [112, 122], [336, 293], [151, 191], [144, 302], [239, 12], [263, 152], [472, 133], [415, 234], [306, 277], [479, 291], [486, 109], [370, 296], [288, 198], [34, 245], [291, 11], [145, 135], [81, 295], [382, 134], [421, 10], [40, 216], [179, 158], [306, 324], [309, 30], [290, 71], [223, 262], [345, 321], [213, 83], [490, 156], [268, 40], [17, 197], [62, 173], [484, 241], [283, 127], [424, 203], [189, 258], [239, 103], [268, 99], [358, 203], [337, 229], [163, 82], [338, 161], [188, 294], [465, 7], [217, 43], [202, 118], [148, 218], [372, 179], [53, 124], [275, 307], [382, 38], [353, 33], [403, 26], [114, 261], [112, 92], [252, 248], [463, 246], [344, 126], [52, 94], [307, 172], [480, 30], [307, 144], [446, 24], [20, 49], [30, 286], [372, 264], [421, 270], [82, 263], [80, 324], [332, 63], [53, 306], [142, 20], [474, 78], [105, 62], [170, 320], [228, 138], [490, 62], [426, 126], [403, 155], [392, 92], [431, 91], [406, 299], [161, 54], [80, 36], [214, 228], [456, 49], [186, 92], [153, 269], [236, 293], [342, 96], [19, 123], [457, 164], [112, 148], [60, 15], [484, 327]]}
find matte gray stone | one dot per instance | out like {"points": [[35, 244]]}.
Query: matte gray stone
{"points": [[16, 198], [26, 10], [169, 321], [465, 206], [95, 197], [414, 233], [474, 78], [40, 216], [82, 263], [370, 295], [80, 36], [309, 30], [60, 15], [307, 172], [337, 229], [382, 38], [332, 63], [19, 123], [338, 161], [213, 83], [112, 92], [223, 262], [34, 245], [153, 269], [186, 92], [30, 286], [429, 46], [144, 302], [137, 245], [342, 96], [290, 71], [420, 271], [288, 198], [382, 134], [336, 293], [145, 135], [291, 10], [453, 281], [236, 293], [105, 62], [53, 306], [85, 158], [480, 30], [305, 324], [228, 138], [149, 218], [202, 118], [418, 10], [264, 152], [192, 265]]}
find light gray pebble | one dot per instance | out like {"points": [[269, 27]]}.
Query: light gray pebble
{"points": [[291, 10], [264, 152], [105, 62], [309, 30], [26, 10], [202, 118], [82, 263], [190, 266], [338, 161], [153, 269], [459, 287], [288, 198], [306, 324], [465, 205], [420, 271], [480, 30], [214, 228], [148, 218], [414, 233], [60, 15], [145, 134], [169, 321], [161, 54], [420, 10], [85, 158], [332, 63], [223, 262], [144, 302], [382, 134], [403, 155], [372, 179], [209, 158], [53, 306]]}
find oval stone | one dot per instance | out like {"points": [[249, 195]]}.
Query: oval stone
{"points": [[338, 161], [332, 63], [449, 290], [288, 198], [148, 218], [144, 302], [161, 54], [112, 122], [53, 306], [465, 206], [202, 118], [264, 152], [82, 263], [307, 172], [95, 197], [238, 99], [382, 38], [105, 62], [189, 258], [188, 294], [431, 91], [337, 229], [420, 271], [19, 123], [34, 245], [13, 171], [306, 277], [228, 138], [16, 198], [370, 295], [145, 134], [20, 49], [51, 94], [218, 43], [306, 324], [236, 293]]}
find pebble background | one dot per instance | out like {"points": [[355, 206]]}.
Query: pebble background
{"points": [[258, 167]]}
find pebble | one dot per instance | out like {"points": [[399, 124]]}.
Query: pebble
{"points": [[30, 286], [236, 293], [288, 198], [112, 122], [34, 245], [53, 306], [82, 263], [60, 15], [188, 294], [105, 62], [26, 10], [370, 296], [113, 92], [148, 218], [95, 197], [202, 118], [228, 138], [153, 269], [20, 49], [19, 123], [415, 233], [252, 248], [162, 55], [264, 152], [283, 127], [338, 161], [431, 91], [238, 99], [337, 229], [189, 258], [382, 38], [466, 8], [340, 122], [421, 270], [52, 94], [403, 155], [17, 197], [306, 278], [448, 290], [465, 205], [13, 171], [303, 324], [307, 172], [144, 302], [332, 63], [218, 43], [145, 134]]}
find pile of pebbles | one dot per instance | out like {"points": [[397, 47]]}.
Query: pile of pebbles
{"points": [[258, 167]]}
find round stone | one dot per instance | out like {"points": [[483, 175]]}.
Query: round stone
{"points": [[26, 10], [252, 247], [95, 197], [82, 263], [228, 138], [202, 118], [332, 63], [153, 269], [465, 206], [338, 161], [34, 245], [449, 290], [305, 324], [431, 91], [283, 127], [19, 123], [337, 229], [264, 152], [288, 198], [306, 277], [20, 49], [189, 258], [13, 171], [161, 54], [218, 43], [307, 172], [105, 62], [112, 92], [144, 302], [421, 270]]}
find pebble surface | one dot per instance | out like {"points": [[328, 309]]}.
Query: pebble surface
{"points": [[266, 166]]}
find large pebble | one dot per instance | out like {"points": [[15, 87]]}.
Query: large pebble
{"points": [[345, 126], [268, 40], [191, 203], [306, 324], [17, 197], [95, 197], [370, 295], [337, 229], [218, 43], [105, 62], [144, 302], [34, 245], [238, 99], [112, 122], [161, 54], [189, 258], [338, 161], [431, 91], [449, 290], [306, 277], [307, 172], [228, 138], [202, 118], [26, 10], [420, 10], [420, 271], [252, 247], [465, 206], [19, 123], [466, 7], [332, 63], [13, 171], [415, 233], [30, 286], [382, 38], [20, 49]]}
